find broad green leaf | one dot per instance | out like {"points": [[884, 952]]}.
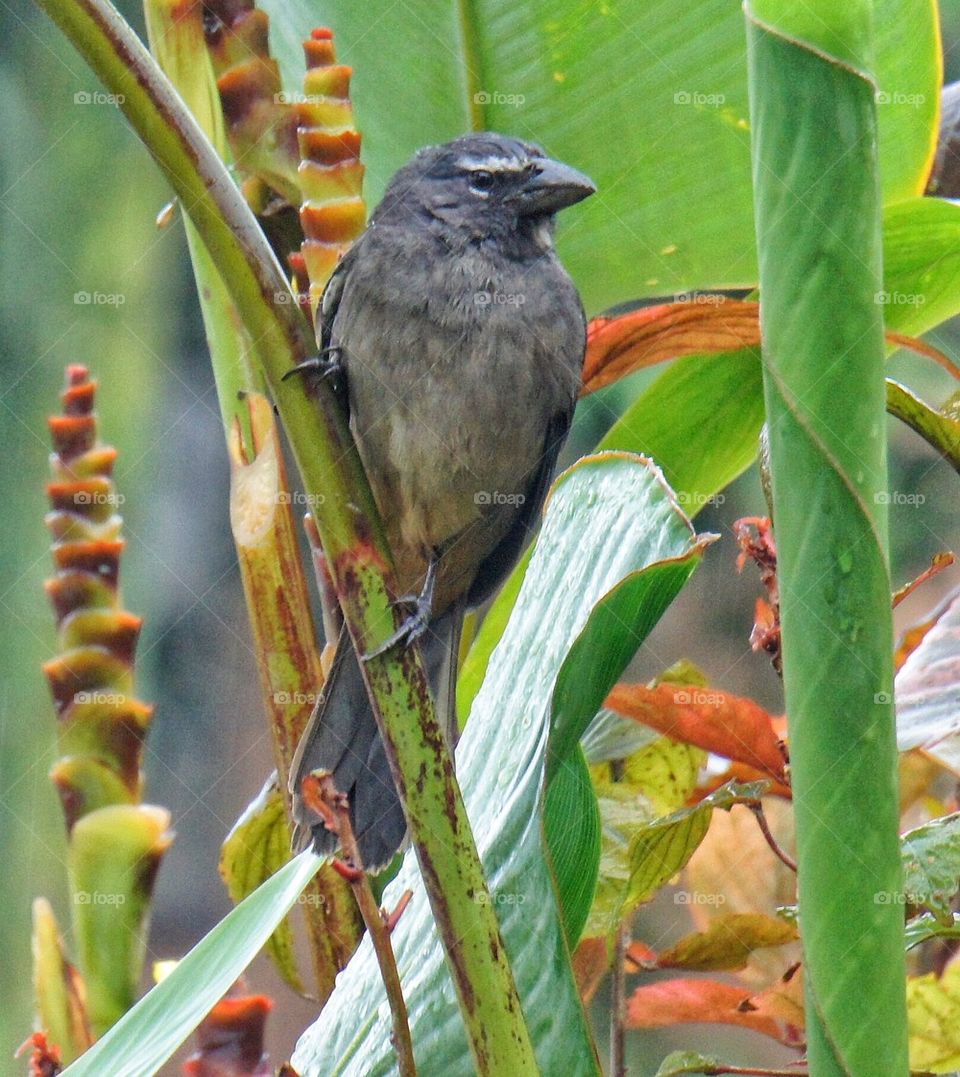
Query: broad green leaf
{"points": [[638, 95], [617, 507], [571, 823], [474, 666], [700, 421], [931, 865], [142, 1041], [255, 848], [921, 264], [818, 222]]}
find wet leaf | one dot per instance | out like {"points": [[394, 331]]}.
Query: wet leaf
{"points": [[931, 865]]}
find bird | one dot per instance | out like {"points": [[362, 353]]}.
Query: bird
{"points": [[457, 339]]}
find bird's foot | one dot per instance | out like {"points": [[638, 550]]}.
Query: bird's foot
{"points": [[328, 364], [416, 622]]}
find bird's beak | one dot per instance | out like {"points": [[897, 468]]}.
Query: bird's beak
{"points": [[553, 187]]}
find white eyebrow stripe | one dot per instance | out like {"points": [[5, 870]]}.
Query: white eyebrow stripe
{"points": [[493, 164]]}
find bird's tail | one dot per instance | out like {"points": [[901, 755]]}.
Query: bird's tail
{"points": [[342, 739]]}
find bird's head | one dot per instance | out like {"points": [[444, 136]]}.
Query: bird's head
{"points": [[484, 186]]}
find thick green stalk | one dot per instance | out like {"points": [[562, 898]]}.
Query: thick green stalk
{"points": [[346, 519], [817, 207]]}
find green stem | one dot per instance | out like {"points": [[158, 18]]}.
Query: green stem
{"points": [[818, 220], [346, 518]]}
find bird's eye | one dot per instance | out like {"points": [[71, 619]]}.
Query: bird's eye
{"points": [[481, 180]]}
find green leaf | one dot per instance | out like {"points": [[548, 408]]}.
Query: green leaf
{"points": [[921, 264], [571, 823], [474, 666], [678, 1063], [642, 854], [700, 420], [931, 865], [147, 1036], [941, 432], [639, 96], [256, 847], [926, 927], [617, 507]]}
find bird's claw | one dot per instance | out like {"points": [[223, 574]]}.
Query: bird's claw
{"points": [[412, 628], [328, 364]]}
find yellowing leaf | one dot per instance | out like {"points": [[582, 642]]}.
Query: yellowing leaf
{"points": [[725, 946], [933, 1016]]}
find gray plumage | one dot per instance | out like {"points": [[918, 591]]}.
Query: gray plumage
{"points": [[460, 337]]}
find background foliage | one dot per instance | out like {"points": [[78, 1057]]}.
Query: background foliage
{"points": [[72, 227]]}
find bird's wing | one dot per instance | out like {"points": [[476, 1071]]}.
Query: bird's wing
{"points": [[495, 569], [332, 294]]}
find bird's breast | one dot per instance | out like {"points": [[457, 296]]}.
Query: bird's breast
{"points": [[454, 375]]}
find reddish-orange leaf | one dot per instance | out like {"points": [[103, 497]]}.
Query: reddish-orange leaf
{"points": [[624, 344], [776, 1012], [716, 721], [707, 323]]}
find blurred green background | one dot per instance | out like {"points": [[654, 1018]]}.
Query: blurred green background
{"points": [[78, 200]]}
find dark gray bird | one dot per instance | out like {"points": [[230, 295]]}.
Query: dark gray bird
{"points": [[460, 338]]}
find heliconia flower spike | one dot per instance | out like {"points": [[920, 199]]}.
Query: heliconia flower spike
{"points": [[261, 122], [332, 213], [115, 842], [102, 724]]}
